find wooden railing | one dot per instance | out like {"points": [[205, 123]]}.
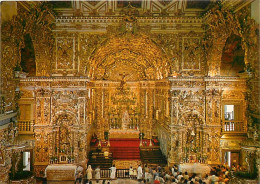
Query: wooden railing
{"points": [[234, 126], [105, 173], [55, 160], [101, 159], [120, 173], [25, 126]]}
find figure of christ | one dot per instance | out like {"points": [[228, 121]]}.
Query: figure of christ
{"points": [[123, 81]]}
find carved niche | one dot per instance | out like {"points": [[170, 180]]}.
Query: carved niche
{"points": [[220, 24]]}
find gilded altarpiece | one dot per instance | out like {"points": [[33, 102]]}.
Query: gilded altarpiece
{"points": [[146, 74], [121, 107], [197, 132], [184, 112], [151, 83], [61, 122], [184, 51]]}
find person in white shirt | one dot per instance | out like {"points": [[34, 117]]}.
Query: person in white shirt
{"points": [[131, 172], [174, 171], [213, 179], [113, 172], [97, 173], [146, 173], [206, 179], [179, 176], [89, 172], [161, 180], [174, 181], [139, 172], [135, 173]]}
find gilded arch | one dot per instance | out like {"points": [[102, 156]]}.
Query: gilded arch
{"points": [[67, 116], [190, 115], [221, 24], [136, 55]]}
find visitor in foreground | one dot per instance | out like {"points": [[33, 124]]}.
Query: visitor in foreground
{"points": [[113, 172]]}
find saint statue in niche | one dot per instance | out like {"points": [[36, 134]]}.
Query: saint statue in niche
{"points": [[125, 120]]}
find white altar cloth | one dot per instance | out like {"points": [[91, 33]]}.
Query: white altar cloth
{"points": [[196, 168]]}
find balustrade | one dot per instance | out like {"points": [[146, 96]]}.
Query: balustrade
{"points": [[105, 173], [62, 160], [25, 126], [120, 173], [234, 126]]}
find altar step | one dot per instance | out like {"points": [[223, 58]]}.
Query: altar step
{"points": [[103, 164], [152, 156], [125, 149], [98, 159], [125, 152], [123, 156]]}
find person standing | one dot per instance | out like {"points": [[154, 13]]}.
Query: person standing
{"points": [[89, 172], [79, 176], [131, 172], [146, 173], [156, 180], [139, 173], [135, 174], [213, 178], [97, 174], [113, 172]]}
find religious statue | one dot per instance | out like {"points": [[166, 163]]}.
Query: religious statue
{"points": [[123, 81], [125, 120]]}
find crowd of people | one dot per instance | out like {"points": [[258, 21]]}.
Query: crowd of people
{"points": [[158, 175], [218, 175]]}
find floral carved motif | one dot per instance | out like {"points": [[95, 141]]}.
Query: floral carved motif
{"points": [[220, 24], [65, 53], [191, 53]]}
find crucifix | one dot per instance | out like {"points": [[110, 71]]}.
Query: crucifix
{"points": [[123, 81]]}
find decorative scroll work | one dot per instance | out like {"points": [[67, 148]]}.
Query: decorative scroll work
{"points": [[88, 44], [131, 53], [149, 78], [221, 23], [65, 53], [191, 53]]}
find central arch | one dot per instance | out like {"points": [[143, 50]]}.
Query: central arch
{"points": [[137, 56]]}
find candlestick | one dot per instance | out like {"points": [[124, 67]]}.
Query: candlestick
{"points": [[150, 142]]}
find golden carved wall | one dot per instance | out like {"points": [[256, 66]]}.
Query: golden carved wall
{"points": [[102, 73]]}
